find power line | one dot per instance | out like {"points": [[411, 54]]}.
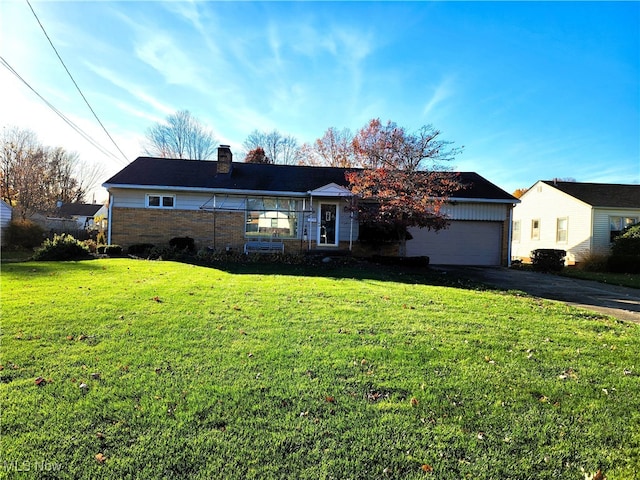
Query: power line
{"points": [[74, 82], [68, 121]]}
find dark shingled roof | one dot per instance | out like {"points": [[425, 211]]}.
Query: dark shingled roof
{"points": [[79, 209], [200, 174], [613, 195]]}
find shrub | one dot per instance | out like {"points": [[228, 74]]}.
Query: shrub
{"points": [[62, 247], [25, 234], [91, 245], [101, 238], [140, 249], [113, 250], [593, 262], [548, 259], [624, 263], [183, 243]]}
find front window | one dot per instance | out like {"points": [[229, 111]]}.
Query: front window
{"points": [[271, 217], [535, 229], [562, 230], [618, 224], [161, 201]]}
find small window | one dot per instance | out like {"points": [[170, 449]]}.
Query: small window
{"points": [[618, 224], [562, 230], [535, 229], [515, 232], [161, 201]]}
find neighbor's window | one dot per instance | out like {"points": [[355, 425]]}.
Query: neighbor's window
{"points": [[515, 231], [161, 201], [271, 217], [562, 230], [535, 229], [618, 224]]}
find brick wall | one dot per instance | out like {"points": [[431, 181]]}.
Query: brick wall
{"points": [[157, 226]]}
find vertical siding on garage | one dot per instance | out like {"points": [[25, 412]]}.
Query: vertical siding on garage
{"points": [[476, 211]]}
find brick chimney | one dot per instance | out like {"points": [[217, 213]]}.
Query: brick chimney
{"points": [[225, 158]]}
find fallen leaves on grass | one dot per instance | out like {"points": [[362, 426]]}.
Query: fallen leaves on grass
{"points": [[157, 299], [427, 468], [100, 458], [414, 402], [40, 382]]}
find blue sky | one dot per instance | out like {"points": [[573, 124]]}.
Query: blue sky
{"points": [[531, 90]]}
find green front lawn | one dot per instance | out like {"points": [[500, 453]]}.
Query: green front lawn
{"points": [[137, 369]]}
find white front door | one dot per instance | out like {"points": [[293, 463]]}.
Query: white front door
{"points": [[328, 225]]}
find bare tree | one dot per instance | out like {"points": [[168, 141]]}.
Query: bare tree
{"points": [[181, 136], [335, 148], [277, 147]]}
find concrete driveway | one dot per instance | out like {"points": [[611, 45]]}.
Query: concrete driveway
{"points": [[619, 302]]}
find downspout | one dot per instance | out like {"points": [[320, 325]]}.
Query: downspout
{"points": [[109, 219], [509, 237]]}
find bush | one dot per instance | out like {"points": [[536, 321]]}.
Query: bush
{"points": [[91, 245], [593, 262], [111, 250], [25, 234], [140, 249], [624, 263], [548, 259], [183, 243], [62, 247]]}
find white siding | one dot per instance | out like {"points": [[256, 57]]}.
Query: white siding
{"points": [[5, 219], [184, 200], [547, 204], [601, 227]]}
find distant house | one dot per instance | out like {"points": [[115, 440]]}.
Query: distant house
{"points": [[580, 218], [5, 218], [86, 215], [226, 205]]}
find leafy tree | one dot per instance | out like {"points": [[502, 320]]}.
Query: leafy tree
{"points": [[395, 188], [181, 136], [257, 155], [34, 177], [519, 192], [277, 147]]}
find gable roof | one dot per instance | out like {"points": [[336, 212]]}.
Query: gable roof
{"points": [[163, 173], [79, 209], [613, 195]]}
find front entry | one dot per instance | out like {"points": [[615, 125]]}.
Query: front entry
{"points": [[328, 225]]}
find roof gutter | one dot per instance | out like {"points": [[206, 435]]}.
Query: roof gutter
{"points": [[212, 191]]}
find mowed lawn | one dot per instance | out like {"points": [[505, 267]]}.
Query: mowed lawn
{"points": [[156, 370]]}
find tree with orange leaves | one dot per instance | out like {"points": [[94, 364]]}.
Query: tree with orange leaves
{"points": [[404, 181]]}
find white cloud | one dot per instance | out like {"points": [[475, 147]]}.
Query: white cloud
{"points": [[443, 91]]}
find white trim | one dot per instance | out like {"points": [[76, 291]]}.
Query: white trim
{"points": [[213, 191], [482, 200]]}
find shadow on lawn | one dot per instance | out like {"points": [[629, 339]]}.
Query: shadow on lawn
{"points": [[358, 270]]}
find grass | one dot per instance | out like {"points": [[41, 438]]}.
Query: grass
{"points": [[342, 373], [622, 279]]}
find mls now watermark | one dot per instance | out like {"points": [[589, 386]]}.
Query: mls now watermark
{"points": [[35, 466]]}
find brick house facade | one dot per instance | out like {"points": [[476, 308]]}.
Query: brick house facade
{"points": [[223, 205]]}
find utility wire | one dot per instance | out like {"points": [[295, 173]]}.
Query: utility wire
{"points": [[74, 82], [59, 113]]}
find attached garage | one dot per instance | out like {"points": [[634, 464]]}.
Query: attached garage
{"points": [[463, 243]]}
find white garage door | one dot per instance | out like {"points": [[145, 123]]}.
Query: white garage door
{"points": [[463, 243]]}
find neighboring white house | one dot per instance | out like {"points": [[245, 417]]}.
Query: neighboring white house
{"points": [[5, 218], [580, 218], [86, 215]]}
